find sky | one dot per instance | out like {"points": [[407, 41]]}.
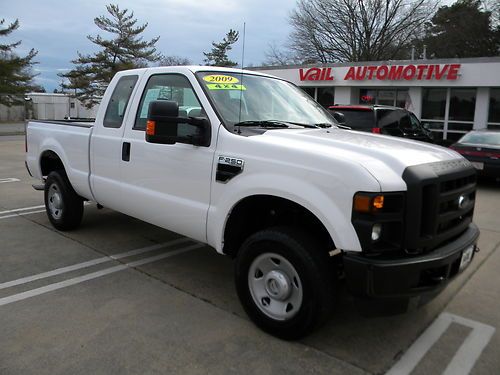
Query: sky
{"points": [[58, 28]]}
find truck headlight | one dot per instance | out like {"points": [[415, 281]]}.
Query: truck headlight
{"points": [[376, 232]]}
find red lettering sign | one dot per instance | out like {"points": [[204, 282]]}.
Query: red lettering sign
{"points": [[316, 74], [386, 73], [406, 72]]}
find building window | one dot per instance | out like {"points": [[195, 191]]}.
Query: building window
{"points": [[434, 104], [397, 98], [462, 104], [449, 113], [311, 91], [326, 96], [494, 109]]}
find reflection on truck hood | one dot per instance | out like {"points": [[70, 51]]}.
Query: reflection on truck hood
{"points": [[381, 155]]}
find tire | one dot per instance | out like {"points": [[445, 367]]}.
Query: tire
{"points": [[64, 207], [288, 296]]}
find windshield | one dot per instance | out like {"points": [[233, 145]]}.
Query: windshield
{"points": [[481, 138], [241, 98]]}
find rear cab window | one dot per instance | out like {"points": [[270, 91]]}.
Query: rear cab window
{"points": [[118, 102]]}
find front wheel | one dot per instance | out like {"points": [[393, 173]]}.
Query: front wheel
{"points": [[64, 207], [285, 282]]}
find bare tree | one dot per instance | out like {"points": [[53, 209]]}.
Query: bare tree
{"points": [[279, 56], [357, 30], [173, 61]]}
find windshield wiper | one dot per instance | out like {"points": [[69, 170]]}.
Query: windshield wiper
{"points": [[273, 124], [264, 123], [324, 125]]}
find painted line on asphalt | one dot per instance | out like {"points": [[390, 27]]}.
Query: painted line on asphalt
{"points": [[21, 214], [464, 359], [31, 210], [93, 275], [4, 180], [90, 263], [22, 209]]}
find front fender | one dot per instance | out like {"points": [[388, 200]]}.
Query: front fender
{"points": [[333, 213]]}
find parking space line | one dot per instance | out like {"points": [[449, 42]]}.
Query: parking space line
{"points": [[4, 180], [465, 357], [21, 214], [93, 275], [22, 209], [32, 210], [90, 263]]}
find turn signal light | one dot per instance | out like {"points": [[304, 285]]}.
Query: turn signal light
{"points": [[367, 203], [150, 127]]}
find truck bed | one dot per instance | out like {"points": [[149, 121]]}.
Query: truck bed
{"points": [[70, 140]]}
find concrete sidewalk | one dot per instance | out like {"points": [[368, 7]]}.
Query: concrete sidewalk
{"points": [[11, 128]]}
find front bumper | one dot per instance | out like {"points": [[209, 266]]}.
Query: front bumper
{"points": [[408, 277]]}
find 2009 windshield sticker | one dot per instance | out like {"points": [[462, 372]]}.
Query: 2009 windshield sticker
{"points": [[220, 78], [225, 86]]}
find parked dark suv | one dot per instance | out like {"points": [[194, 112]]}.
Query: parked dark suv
{"points": [[381, 119]]}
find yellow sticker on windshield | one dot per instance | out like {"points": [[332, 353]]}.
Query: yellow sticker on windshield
{"points": [[220, 78], [225, 86]]}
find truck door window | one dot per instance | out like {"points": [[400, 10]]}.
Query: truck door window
{"points": [[118, 102], [174, 87]]}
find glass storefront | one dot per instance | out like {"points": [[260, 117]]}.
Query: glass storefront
{"points": [[311, 91], [494, 109], [326, 96], [449, 113], [393, 97]]}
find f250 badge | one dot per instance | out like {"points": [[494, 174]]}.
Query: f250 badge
{"points": [[231, 161], [228, 167]]}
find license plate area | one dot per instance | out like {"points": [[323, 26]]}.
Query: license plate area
{"points": [[478, 165], [467, 255]]}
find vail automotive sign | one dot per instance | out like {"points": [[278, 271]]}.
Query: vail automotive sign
{"points": [[419, 72]]}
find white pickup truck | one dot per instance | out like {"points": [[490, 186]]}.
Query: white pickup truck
{"points": [[252, 166]]}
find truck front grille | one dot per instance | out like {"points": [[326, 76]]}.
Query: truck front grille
{"points": [[440, 204]]}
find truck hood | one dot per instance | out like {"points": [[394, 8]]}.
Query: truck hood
{"points": [[384, 157]]}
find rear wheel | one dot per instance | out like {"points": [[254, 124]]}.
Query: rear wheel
{"points": [[64, 207], [285, 282]]}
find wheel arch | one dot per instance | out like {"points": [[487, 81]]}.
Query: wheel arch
{"points": [[261, 211], [50, 161]]}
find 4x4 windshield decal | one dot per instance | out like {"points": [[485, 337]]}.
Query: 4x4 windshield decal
{"points": [[225, 86]]}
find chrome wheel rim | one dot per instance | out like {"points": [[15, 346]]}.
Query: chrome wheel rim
{"points": [[54, 201], [275, 286]]}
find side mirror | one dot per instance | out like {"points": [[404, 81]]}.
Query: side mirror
{"points": [[163, 125], [339, 117]]}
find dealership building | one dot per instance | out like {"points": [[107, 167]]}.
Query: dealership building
{"points": [[450, 96]]}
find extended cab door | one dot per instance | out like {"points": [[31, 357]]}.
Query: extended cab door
{"points": [[169, 185], [106, 145]]}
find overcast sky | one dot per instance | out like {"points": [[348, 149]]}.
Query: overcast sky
{"points": [[58, 28]]}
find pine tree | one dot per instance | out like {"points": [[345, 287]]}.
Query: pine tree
{"points": [[218, 55], [16, 76], [126, 50]]}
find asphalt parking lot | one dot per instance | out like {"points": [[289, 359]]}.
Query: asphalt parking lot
{"points": [[120, 296]]}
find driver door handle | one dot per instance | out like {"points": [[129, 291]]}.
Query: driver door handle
{"points": [[126, 151]]}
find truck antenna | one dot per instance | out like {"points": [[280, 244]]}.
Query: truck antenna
{"points": [[241, 78]]}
